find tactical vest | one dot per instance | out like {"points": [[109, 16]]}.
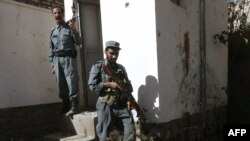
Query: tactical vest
{"points": [[111, 97]]}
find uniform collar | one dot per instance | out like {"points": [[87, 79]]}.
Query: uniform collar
{"points": [[61, 25]]}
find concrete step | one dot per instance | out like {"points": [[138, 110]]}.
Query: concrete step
{"points": [[62, 137], [79, 127], [80, 124]]}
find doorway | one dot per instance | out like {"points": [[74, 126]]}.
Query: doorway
{"points": [[90, 23]]}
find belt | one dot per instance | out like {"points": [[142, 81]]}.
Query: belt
{"points": [[112, 99], [65, 53]]}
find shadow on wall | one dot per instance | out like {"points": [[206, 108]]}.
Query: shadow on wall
{"points": [[147, 95]]}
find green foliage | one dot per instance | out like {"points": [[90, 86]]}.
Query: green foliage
{"points": [[238, 34], [238, 27]]}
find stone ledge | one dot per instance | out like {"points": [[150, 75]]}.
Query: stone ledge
{"points": [[79, 127], [61, 137]]}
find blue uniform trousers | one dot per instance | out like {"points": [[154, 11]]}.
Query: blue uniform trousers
{"points": [[107, 114], [66, 76]]}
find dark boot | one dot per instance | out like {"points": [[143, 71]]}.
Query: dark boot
{"points": [[74, 107], [65, 106]]}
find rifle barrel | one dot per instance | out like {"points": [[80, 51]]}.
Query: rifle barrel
{"points": [[72, 19]]}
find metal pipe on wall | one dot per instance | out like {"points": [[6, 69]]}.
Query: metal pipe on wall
{"points": [[202, 67], [202, 56]]}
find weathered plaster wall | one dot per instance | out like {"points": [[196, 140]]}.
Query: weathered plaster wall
{"points": [[217, 54], [161, 50], [178, 42], [178, 58], [132, 23], [25, 73]]}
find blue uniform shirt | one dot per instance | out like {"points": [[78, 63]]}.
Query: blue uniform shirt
{"points": [[63, 38], [97, 77]]}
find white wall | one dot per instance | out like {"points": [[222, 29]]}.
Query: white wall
{"points": [[68, 14], [160, 44], [179, 57], [25, 73], [217, 54], [132, 23]]}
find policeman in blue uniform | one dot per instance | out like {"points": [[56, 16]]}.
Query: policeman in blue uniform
{"points": [[114, 99], [63, 38]]}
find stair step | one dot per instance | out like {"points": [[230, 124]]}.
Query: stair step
{"points": [[80, 127], [61, 137], [81, 124]]}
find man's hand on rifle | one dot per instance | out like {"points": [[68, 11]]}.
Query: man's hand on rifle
{"points": [[113, 85], [72, 25]]}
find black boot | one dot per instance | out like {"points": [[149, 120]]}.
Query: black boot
{"points": [[65, 106], [74, 107]]}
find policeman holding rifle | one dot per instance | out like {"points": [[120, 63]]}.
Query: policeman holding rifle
{"points": [[115, 102], [63, 38]]}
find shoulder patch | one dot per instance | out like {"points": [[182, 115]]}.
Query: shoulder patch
{"points": [[98, 62]]}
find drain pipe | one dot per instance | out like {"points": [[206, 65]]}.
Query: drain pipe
{"points": [[202, 56], [85, 104], [202, 66]]}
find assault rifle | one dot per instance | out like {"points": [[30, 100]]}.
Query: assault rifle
{"points": [[73, 19], [125, 86], [119, 78]]}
